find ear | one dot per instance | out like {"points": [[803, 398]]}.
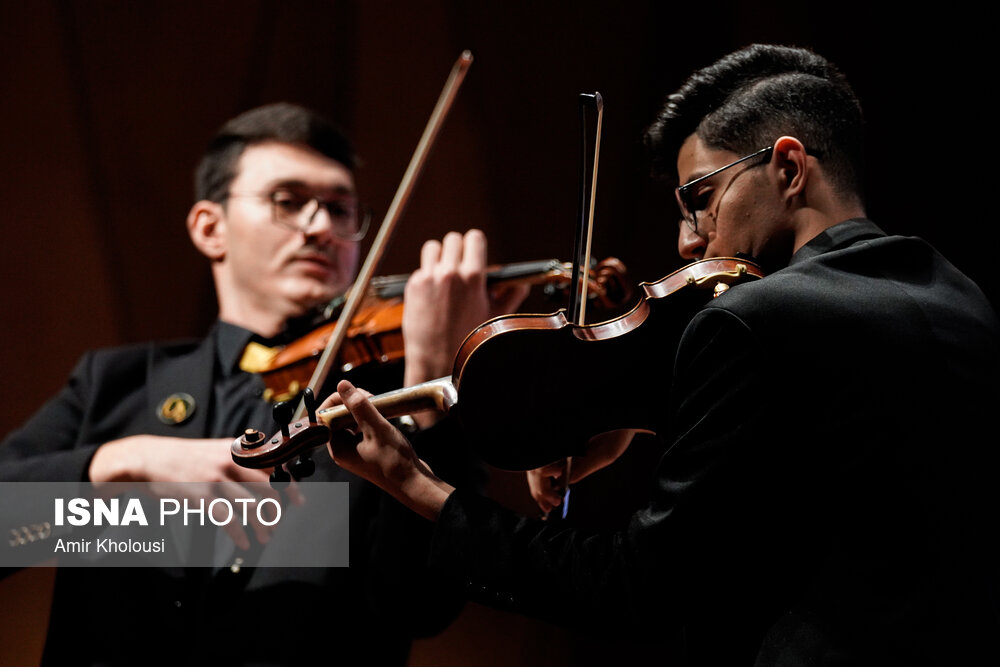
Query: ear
{"points": [[791, 161], [206, 224]]}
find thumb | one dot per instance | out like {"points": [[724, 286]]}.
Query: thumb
{"points": [[556, 469]]}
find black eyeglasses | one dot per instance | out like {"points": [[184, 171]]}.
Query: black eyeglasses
{"points": [[296, 212], [685, 193]]}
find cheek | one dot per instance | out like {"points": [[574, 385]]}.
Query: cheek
{"points": [[256, 257], [266, 252], [739, 214], [347, 261], [724, 235], [348, 256]]}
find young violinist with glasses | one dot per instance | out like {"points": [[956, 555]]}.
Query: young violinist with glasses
{"points": [[825, 496]]}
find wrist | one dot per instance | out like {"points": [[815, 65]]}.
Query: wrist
{"points": [[424, 493], [421, 367], [114, 462], [105, 465]]}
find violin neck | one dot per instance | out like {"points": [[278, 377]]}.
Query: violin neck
{"points": [[519, 271], [389, 287], [429, 396]]}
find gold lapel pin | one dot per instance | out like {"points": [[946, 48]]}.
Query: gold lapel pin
{"points": [[176, 408]]}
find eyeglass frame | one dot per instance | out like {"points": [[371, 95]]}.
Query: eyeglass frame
{"points": [[317, 203], [684, 199]]}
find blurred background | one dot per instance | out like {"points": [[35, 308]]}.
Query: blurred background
{"points": [[107, 105]]}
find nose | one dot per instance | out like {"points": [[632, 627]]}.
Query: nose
{"points": [[319, 225], [690, 245]]}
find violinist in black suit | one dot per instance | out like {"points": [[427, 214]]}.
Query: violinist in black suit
{"points": [[827, 495], [277, 216]]}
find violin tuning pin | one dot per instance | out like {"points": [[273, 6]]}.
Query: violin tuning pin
{"points": [[251, 438], [279, 478], [309, 398], [283, 413], [303, 466]]}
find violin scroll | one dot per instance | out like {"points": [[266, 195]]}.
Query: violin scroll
{"points": [[296, 438], [612, 287]]}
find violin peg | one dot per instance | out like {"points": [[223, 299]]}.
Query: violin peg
{"points": [[251, 438], [280, 478], [309, 399], [283, 413], [304, 466]]}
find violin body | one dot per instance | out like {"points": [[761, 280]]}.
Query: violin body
{"points": [[375, 338], [563, 383]]}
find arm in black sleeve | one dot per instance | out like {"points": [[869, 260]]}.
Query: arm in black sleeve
{"points": [[47, 447], [653, 570], [402, 588]]}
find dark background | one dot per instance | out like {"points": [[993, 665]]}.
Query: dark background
{"points": [[107, 106]]}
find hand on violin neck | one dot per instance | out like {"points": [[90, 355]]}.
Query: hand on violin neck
{"points": [[384, 456], [446, 298]]}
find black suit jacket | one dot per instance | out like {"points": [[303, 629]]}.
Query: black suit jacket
{"points": [[362, 614], [828, 496]]}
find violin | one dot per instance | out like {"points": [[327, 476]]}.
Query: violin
{"points": [[504, 362], [375, 335]]}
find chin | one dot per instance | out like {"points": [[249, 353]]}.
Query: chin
{"points": [[318, 294], [309, 289]]}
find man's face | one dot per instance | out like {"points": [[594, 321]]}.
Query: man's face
{"points": [[273, 267], [736, 209]]}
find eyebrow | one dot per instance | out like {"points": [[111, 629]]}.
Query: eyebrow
{"points": [[296, 184], [694, 177], [713, 172]]}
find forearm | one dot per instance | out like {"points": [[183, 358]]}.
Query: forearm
{"points": [[386, 458], [420, 368], [118, 461], [58, 466], [393, 466], [49, 445], [422, 492], [561, 573]]}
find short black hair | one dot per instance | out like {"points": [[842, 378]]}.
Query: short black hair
{"points": [[749, 98], [282, 121]]}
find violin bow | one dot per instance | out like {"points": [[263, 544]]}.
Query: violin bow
{"points": [[584, 236], [360, 287], [588, 189]]}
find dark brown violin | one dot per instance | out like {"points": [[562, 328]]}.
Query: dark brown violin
{"points": [[498, 388], [375, 336]]}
